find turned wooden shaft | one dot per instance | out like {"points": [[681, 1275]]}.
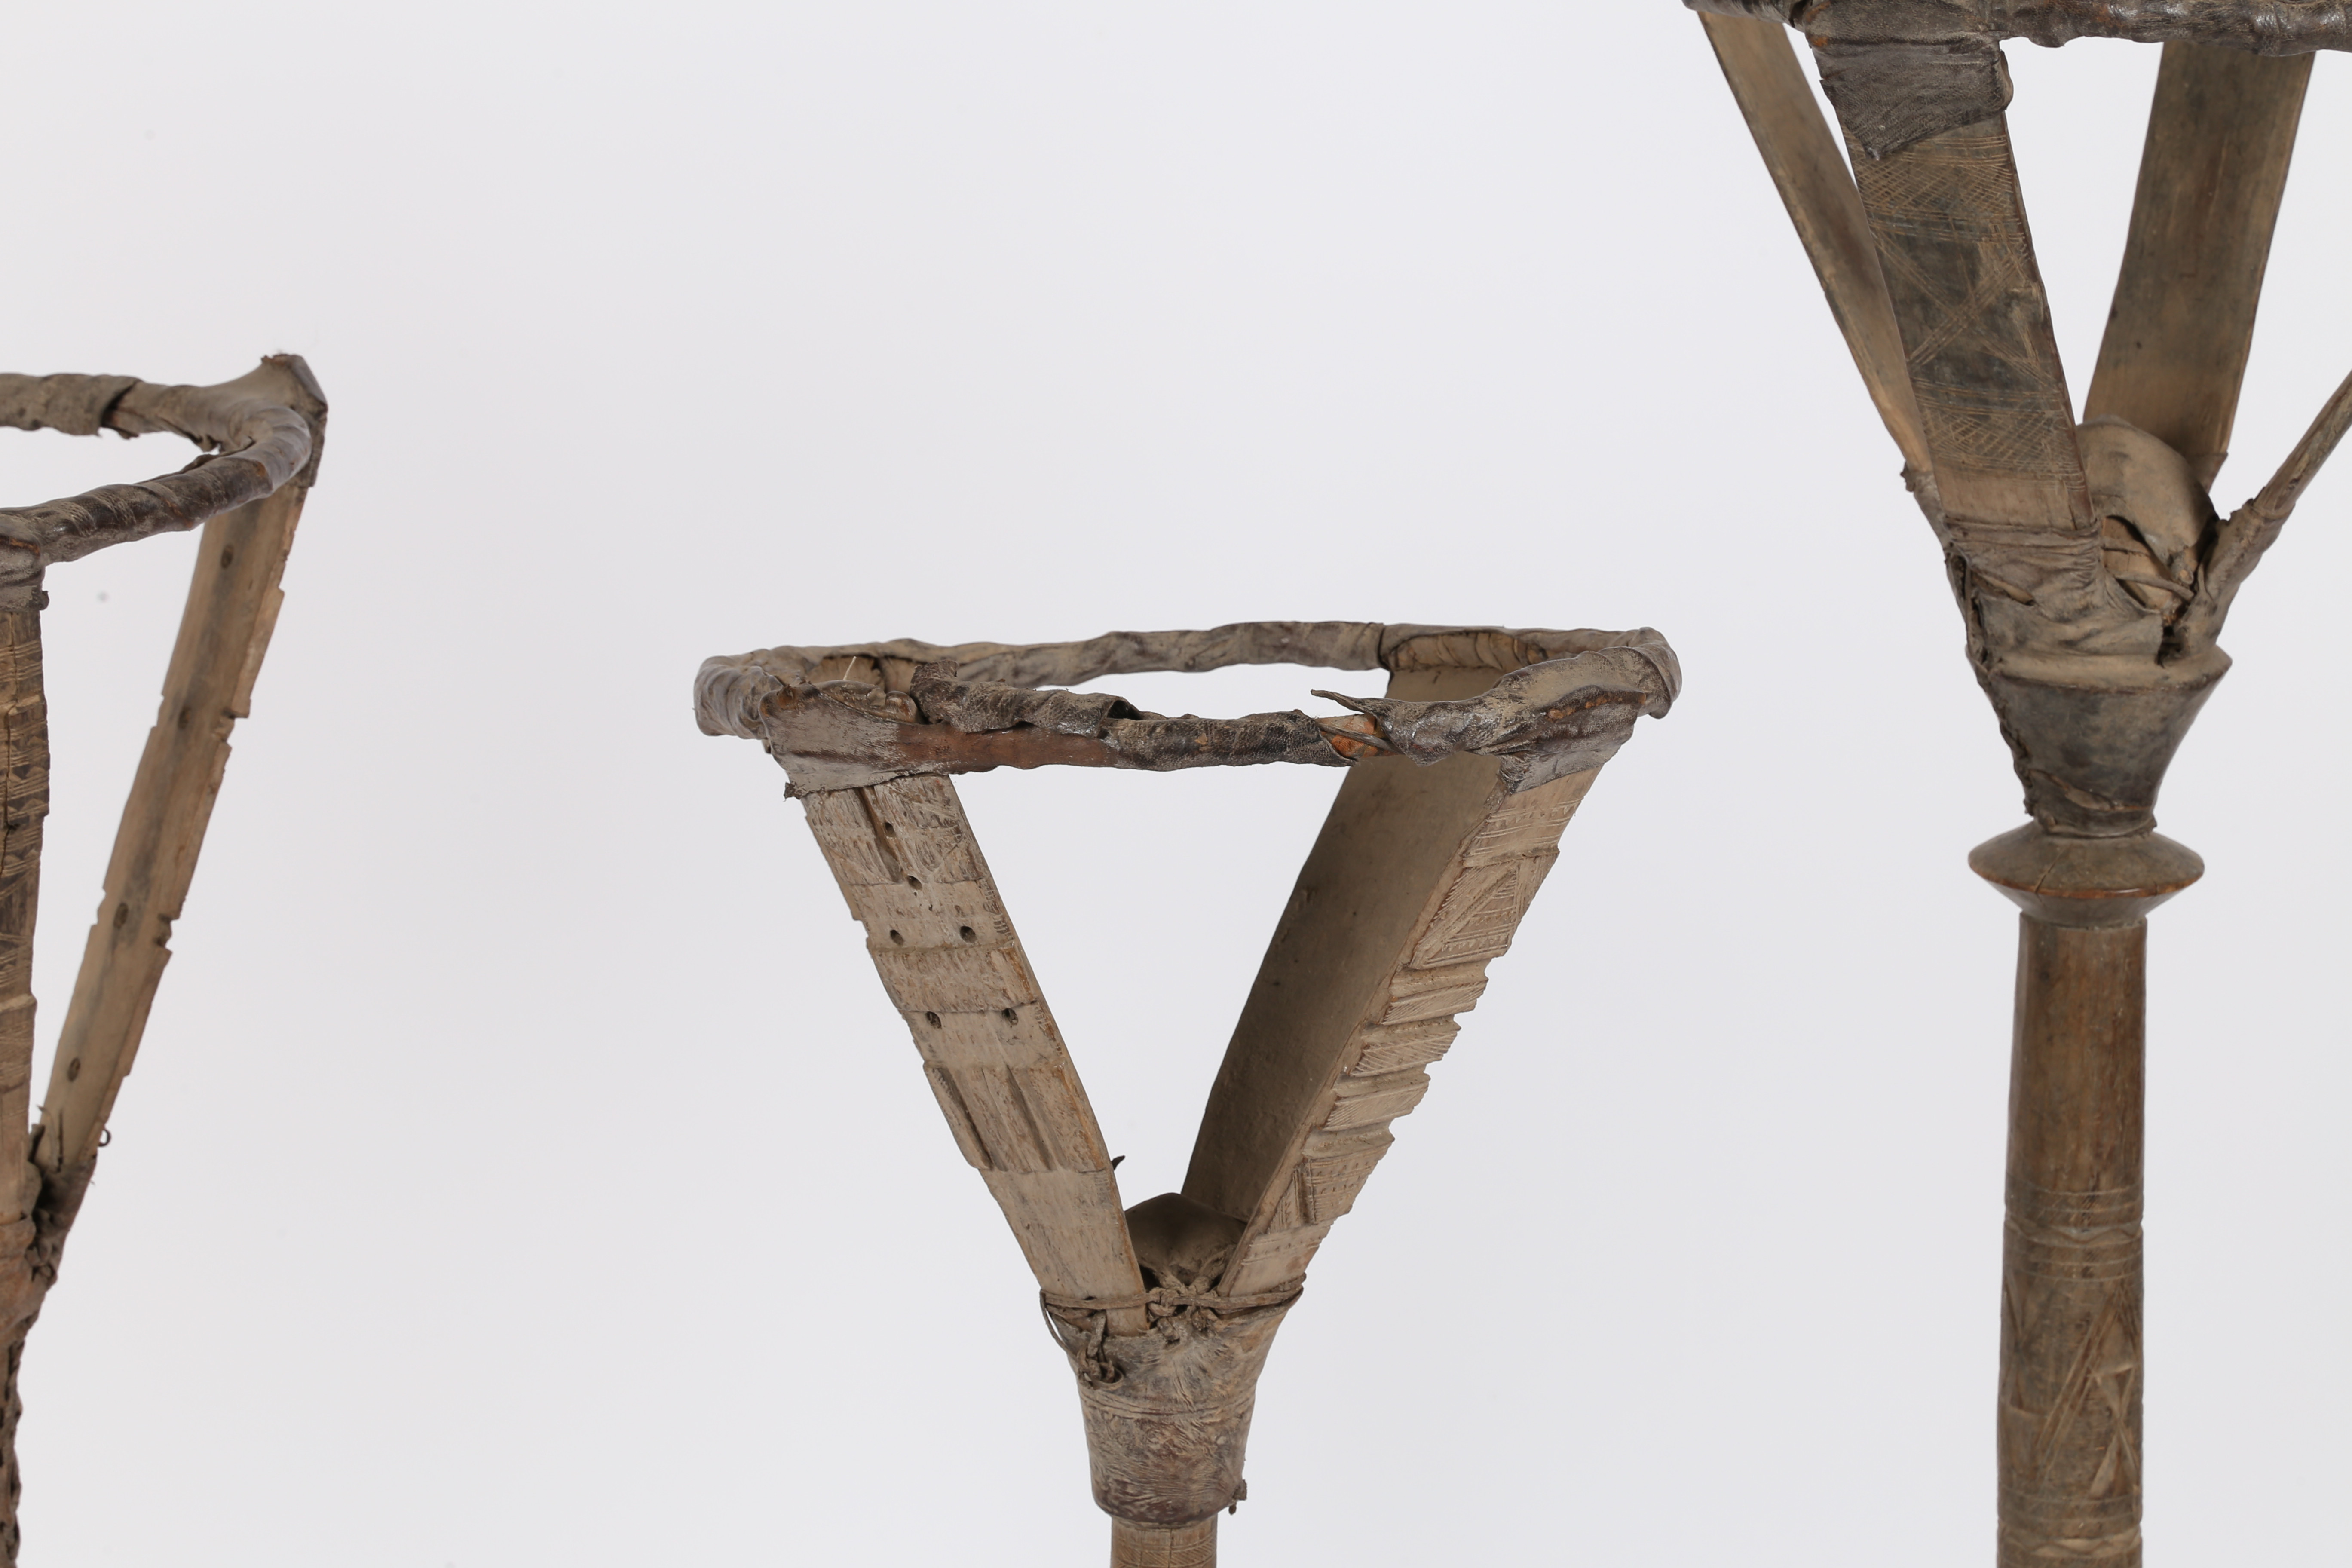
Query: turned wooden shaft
{"points": [[1134, 1545], [2070, 1343]]}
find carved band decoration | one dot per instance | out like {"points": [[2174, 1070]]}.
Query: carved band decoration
{"points": [[2071, 1276]]}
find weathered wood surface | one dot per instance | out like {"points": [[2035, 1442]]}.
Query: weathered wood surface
{"points": [[265, 427], [2071, 1377], [24, 803], [252, 429], [1316, 645], [2094, 575], [1415, 884], [2260, 26], [232, 609], [24, 806], [1801, 154], [2090, 566], [2072, 582], [1462, 777], [2071, 1257], [1134, 1545], [1900, 71], [1951, 236], [848, 717], [2221, 134], [938, 932]]}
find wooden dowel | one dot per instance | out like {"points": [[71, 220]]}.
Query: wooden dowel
{"points": [[2251, 530], [2070, 1345], [2276, 502]]}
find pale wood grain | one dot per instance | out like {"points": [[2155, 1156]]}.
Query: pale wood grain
{"points": [[232, 609], [2071, 1362], [1801, 154], [2221, 134]]}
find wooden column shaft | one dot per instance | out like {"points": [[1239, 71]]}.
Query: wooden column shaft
{"points": [[2071, 1289]]}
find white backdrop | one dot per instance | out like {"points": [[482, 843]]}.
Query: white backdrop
{"points": [[523, 1165]]}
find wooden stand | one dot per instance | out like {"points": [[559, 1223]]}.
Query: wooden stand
{"points": [[1460, 781], [266, 428], [2092, 573]]}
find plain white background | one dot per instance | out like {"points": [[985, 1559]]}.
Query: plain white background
{"points": [[523, 1166]]}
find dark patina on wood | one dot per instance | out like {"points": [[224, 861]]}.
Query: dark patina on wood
{"points": [[2093, 572], [838, 718], [1900, 71]]}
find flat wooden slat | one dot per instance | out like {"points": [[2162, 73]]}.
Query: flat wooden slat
{"points": [[941, 941], [2221, 133], [1949, 223], [1416, 882], [24, 806], [1801, 154], [232, 608]]}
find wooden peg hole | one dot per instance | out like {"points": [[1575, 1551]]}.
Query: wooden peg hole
{"points": [[1011, 1016], [914, 881], [121, 916], [967, 934], [897, 939], [229, 553], [932, 1019], [73, 1070]]}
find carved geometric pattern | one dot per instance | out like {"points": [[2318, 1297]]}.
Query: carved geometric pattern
{"points": [[2070, 1422], [1329, 1183], [1471, 924], [1480, 913], [1959, 262]]}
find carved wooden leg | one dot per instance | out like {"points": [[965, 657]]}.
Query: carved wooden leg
{"points": [[2070, 1322], [1134, 1545], [2069, 1341]]}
